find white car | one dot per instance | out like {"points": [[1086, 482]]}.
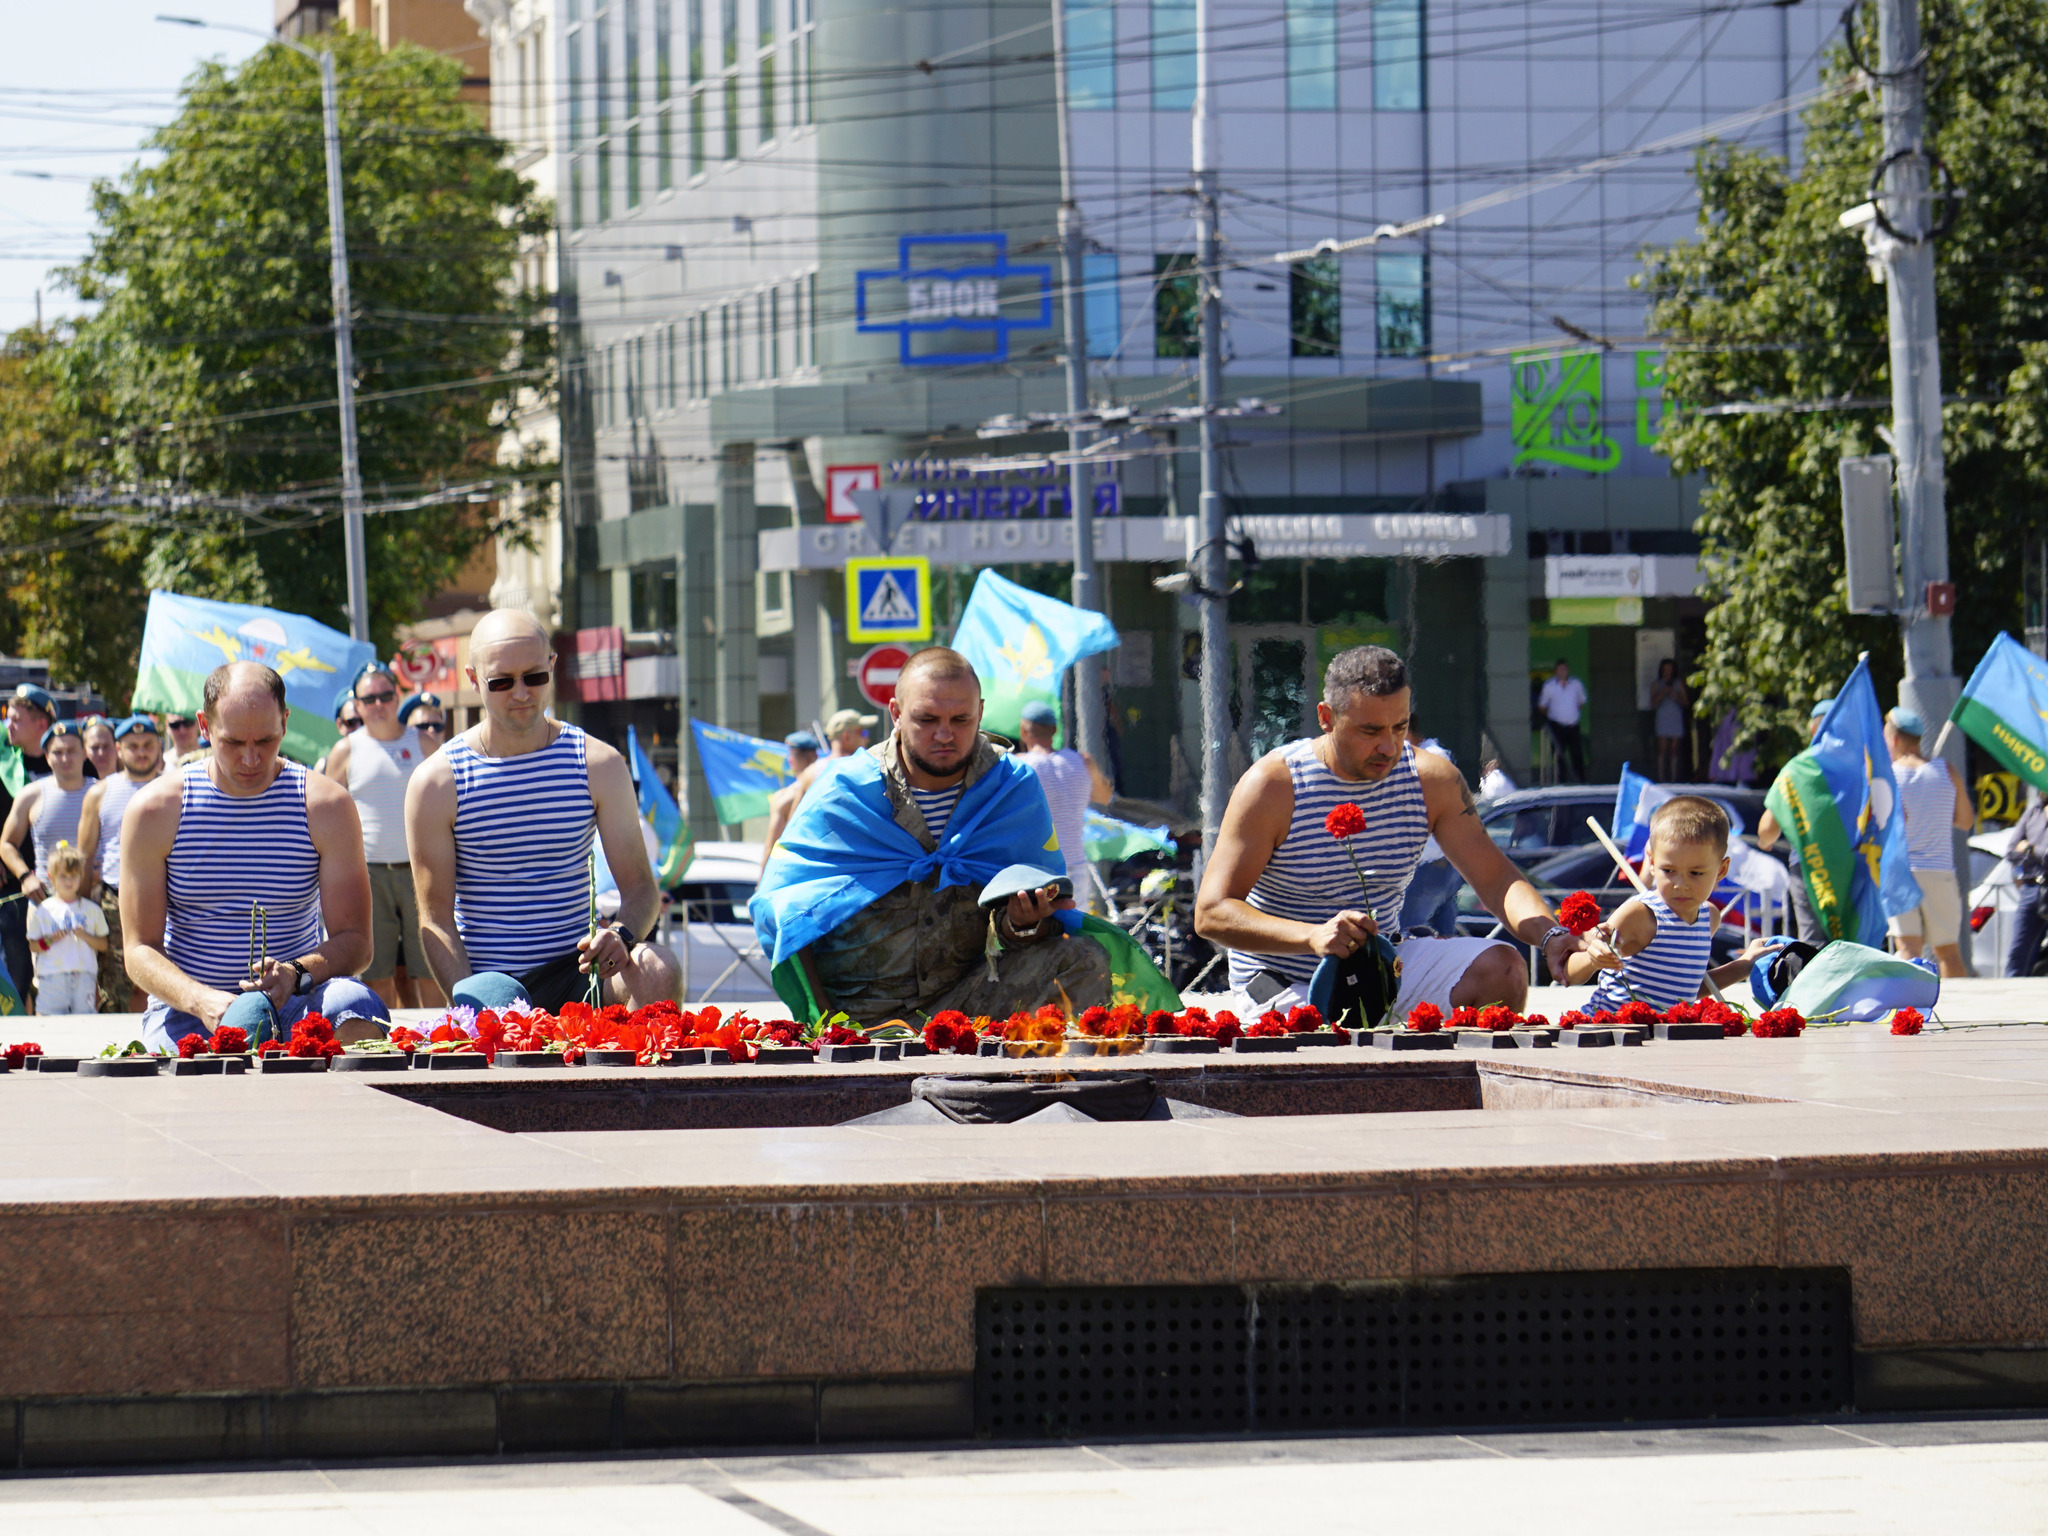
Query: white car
{"points": [[722, 960], [1994, 898]]}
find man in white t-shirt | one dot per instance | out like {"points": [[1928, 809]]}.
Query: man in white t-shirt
{"points": [[1562, 701]]}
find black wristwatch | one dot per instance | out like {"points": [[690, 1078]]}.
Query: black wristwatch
{"points": [[625, 935], [305, 982]]}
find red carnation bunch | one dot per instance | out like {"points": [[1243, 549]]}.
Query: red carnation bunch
{"points": [[1498, 1017], [1572, 1018], [1425, 1018], [1305, 1018], [1580, 912], [192, 1044], [1125, 1019], [1159, 1022], [230, 1040], [1270, 1024], [1714, 1011], [1780, 1024], [1537, 1021], [1908, 1021], [17, 1054], [951, 1030], [313, 1036], [1228, 1027], [1345, 820], [839, 1034], [406, 1038], [1094, 1021], [1682, 1013], [1637, 1013], [1463, 1018], [1193, 1021]]}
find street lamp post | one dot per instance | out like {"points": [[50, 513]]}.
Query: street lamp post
{"points": [[344, 338]]}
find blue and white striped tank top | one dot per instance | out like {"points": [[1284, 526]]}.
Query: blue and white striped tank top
{"points": [[232, 854], [1928, 795], [1669, 969], [523, 828], [1310, 877], [113, 806], [56, 820]]}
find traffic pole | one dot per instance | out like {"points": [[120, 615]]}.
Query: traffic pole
{"points": [[1212, 569]]}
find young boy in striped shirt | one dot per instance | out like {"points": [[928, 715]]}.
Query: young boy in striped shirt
{"points": [[1656, 947]]}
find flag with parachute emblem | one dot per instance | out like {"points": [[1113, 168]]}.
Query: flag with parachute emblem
{"points": [[184, 638], [742, 771], [660, 811], [1021, 643], [1839, 804], [2004, 709]]}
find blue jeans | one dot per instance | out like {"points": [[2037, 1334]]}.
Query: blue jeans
{"points": [[1432, 899], [2029, 919], [337, 998]]}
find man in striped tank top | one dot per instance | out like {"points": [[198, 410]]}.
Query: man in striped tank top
{"points": [[499, 824], [1281, 894], [140, 753], [239, 829]]}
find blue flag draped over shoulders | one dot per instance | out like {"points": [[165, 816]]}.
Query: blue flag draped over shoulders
{"points": [[843, 848]]}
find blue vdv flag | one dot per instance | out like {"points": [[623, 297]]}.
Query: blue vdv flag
{"points": [[2004, 709], [1850, 752], [1021, 644], [742, 771], [1636, 799], [660, 811], [184, 638]]}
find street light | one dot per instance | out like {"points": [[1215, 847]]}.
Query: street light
{"points": [[344, 338]]}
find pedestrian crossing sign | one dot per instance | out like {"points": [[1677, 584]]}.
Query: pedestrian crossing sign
{"points": [[889, 597]]}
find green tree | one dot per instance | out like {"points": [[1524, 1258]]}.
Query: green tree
{"points": [[67, 585], [1772, 301], [212, 351]]}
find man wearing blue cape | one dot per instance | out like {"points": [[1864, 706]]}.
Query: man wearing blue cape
{"points": [[870, 902]]}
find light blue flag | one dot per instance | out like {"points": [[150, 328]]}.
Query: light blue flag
{"points": [[1850, 752], [184, 638], [742, 771], [1636, 799], [1021, 644], [2004, 709], [659, 810], [1106, 838]]}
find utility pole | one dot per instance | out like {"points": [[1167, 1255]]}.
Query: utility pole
{"points": [[1930, 686], [1212, 570], [1087, 589]]}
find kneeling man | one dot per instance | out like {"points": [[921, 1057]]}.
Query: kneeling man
{"points": [[875, 887], [231, 868], [499, 823], [1281, 893]]}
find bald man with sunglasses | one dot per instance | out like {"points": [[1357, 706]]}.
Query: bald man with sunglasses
{"points": [[500, 823]]}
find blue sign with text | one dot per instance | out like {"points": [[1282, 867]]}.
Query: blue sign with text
{"points": [[945, 285]]}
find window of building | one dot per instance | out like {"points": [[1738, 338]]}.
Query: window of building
{"points": [[729, 48], [673, 381], [764, 65], [1091, 55], [1176, 307], [726, 380], [602, 172], [803, 30], [775, 318], [1312, 55], [1397, 51], [653, 596], [1173, 55], [1102, 316], [1401, 305], [1315, 313], [811, 319], [664, 93]]}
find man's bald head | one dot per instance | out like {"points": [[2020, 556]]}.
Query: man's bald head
{"points": [[938, 664], [242, 682], [506, 624]]}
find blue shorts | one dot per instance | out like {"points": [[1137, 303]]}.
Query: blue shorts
{"points": [[338, 998]]}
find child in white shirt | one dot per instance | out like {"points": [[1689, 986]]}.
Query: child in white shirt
{"points": [[65, 935]]}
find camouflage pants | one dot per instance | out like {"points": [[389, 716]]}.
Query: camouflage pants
{"points": [[115, 991], [1071, 973]]}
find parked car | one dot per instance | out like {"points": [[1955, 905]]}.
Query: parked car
{"points": [[722, 960], [1994, 897], [1532, 825]]}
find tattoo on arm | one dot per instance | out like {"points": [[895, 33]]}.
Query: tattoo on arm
{"points": [[1465, 794]]}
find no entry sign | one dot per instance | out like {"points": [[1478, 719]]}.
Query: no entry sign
{"points": [[878, 672]]}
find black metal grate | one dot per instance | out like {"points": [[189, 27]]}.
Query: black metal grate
{"points": [[1490, 1349]]}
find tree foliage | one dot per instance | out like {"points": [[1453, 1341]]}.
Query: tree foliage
{"points": [[1772, 301], [211, 356]]}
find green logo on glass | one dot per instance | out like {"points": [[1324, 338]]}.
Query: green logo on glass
{"points": [[1555, 411]]}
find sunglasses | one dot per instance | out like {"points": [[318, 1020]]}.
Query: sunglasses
{"points": [[375, 698], [349, 725], [178, 722], [531, 679], [436, 726]]}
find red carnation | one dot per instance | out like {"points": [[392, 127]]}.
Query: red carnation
{"points": [[1270, 1024], [271, 1047], [1093, 1021], [1345, 820], [1305, 1019], [1579, 912], [1636, 1013], [1159, 1022], [1463, 1018], [1425, 1018], [191, 1045], [1498, 1017], [1682, 1013], [1226, 1028], [1780, 1024], [839, 1034], [17, 1054], [230, 1040], [1126, 1019], [1908, 1021], [1572, 1018], [1537, 1021]]}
